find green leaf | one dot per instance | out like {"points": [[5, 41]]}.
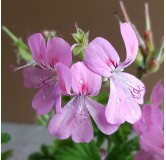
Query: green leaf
{"points": [[125, 130], [100, 140], [102, 98], [77, 37], [77, 50], [80, 151], [120, 146], [67, 150], [85, 39], [5, 137], [80, 32], [81, 39], [6, 154]]}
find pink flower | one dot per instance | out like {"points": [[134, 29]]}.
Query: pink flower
{"points": [[44, 77], [152, 115], [75, 119], [47, 56], [126, 91], [151, 144], [141, 155], [152, 141], [157, 94], [150, 127]]}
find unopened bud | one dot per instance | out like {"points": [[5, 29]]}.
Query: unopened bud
{"points": [[153, 65], [49, 34], [139, 61], [149, 41], [147, 17], [159, 56], [162, 58], [82, 41]]}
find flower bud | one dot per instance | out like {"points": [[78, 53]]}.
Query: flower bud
{"points": [[153, 65], [159, 56], [157, 59], [49, 34], [139, 61], [82, 41], [149, 40]]}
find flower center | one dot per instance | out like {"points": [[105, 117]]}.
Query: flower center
{"points": [[81, 112]]}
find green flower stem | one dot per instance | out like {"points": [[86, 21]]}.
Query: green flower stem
{"points": [[23, 50]]}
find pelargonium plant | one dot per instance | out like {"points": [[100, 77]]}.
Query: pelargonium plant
{"points": [[51, 72], [94, 124]]}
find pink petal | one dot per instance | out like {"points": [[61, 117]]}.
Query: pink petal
{"points": [[115, 110], [132, 110], [141, 155], [141, 125], [58, 50], [57, 97], [82, 129], [64, 77], [152, 140], [150, 116], [61, 125], [97, 111], [136, 87], [84, 81], [72, 121], [158, 156], [37, 45], [101, 57], [157, 94], [153, 116], [121, 106], [36, 77], [44, 100], [131, 43], [157, 117]]}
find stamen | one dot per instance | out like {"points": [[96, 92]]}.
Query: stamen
{"points": [[80, 115], [136, 92]]}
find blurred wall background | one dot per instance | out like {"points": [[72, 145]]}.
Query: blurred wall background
{"points": [[29, 16]]}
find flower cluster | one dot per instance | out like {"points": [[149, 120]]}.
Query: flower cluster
{"points": [[54, 73], [150, 127]]}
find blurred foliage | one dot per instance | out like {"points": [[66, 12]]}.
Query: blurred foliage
{"points": [[22, 48], [67, 150], [102, 98], [6, 154], [5, 138], [119, 146], [44, 119], [122, 144]]}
